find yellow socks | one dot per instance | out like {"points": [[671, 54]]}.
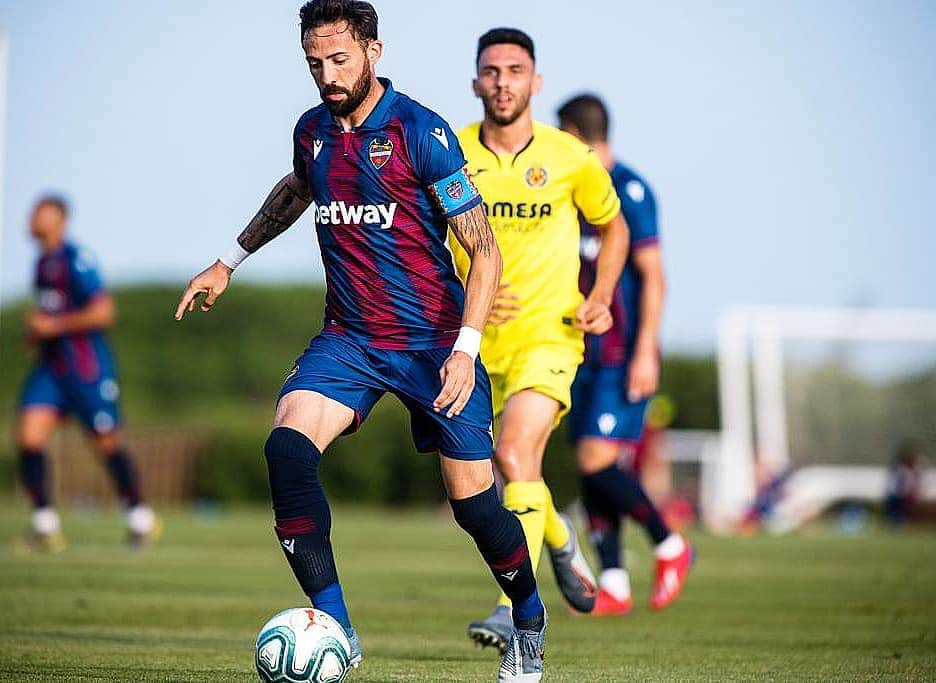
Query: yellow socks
{"points": [[528, 501], [556, 534], [532, 503]]}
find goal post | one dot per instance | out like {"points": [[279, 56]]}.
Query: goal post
{"points": [[754, 350]]}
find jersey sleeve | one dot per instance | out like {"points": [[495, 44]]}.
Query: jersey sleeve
{"points": [[299, 162], [594, 194], [86, 279], [639, 207], [440, 165]]}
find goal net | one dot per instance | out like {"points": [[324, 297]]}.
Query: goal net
{"points": [[816, 402]]}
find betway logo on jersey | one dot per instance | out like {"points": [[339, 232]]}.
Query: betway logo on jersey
{"points": [[340, 213]]}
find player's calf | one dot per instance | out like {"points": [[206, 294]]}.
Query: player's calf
{"points": [[303, 520], [500, 539], [32, 467]]}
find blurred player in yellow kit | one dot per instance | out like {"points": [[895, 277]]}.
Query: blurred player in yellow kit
{"points": [[535, 181]]}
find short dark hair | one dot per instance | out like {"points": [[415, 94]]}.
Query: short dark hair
{"points": [[587, 113], [361, 17], [54, 199], [509, 36]]}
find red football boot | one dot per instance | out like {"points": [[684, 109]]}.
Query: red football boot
{"points": [[606, 605], [670, 578]]}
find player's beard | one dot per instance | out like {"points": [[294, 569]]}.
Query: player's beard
{"points": [[521, 103], [354, 97]]}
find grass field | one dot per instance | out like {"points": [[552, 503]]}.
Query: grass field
{"points": [[811, 607]]}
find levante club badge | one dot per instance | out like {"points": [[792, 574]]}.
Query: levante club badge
{"points": [[455, 190], [379, 152]]}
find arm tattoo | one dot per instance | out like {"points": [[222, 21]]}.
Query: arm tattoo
{"points": [[473, 231], [289, 198]]}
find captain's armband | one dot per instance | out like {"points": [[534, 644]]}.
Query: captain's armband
{"points": [[456, 193]]}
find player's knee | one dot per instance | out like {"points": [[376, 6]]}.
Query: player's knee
{"points": [[29, 436], [515, 462], [595, 455], [26, 442], [292, 464], [107, 444], [291, 455]]}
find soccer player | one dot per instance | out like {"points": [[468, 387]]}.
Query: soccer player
{"points": [[619, 376], [388, 179], [535, 180], [74, 373]]}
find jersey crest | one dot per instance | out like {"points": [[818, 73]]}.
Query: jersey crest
{"points": [[379, 152], [536, 176]]}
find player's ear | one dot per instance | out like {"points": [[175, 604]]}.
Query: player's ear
{"points": [[374, 51], [537, 83], [476, 87]]}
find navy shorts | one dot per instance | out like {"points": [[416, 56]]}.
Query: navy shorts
{"points": [[356, 375], [93, 400], [600, 407]]}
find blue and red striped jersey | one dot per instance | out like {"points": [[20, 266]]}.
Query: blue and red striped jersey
{"points": [[615, 347], [383, 192], [66, 280]]}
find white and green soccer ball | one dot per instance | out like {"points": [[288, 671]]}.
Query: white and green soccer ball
{"points": [[302, 645]]}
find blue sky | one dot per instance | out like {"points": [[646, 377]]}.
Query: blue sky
{"points": [[791, 144]]}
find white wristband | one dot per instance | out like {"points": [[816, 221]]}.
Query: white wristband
{"points": [[235, 256], [468, 341]]}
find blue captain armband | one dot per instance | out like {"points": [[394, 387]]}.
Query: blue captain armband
{"points": [[456, 193]]}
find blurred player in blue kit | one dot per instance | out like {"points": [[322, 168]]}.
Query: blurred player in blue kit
{"points": [[387, 176], [617, 379], [74, 374]]}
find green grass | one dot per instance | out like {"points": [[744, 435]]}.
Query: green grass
{"points": [[809, 607]]}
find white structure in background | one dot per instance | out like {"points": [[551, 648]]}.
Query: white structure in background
{"points": [[751, 391]]}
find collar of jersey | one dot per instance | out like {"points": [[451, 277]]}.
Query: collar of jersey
{"points": [[55, 253], [380, 113], [497, 156]]}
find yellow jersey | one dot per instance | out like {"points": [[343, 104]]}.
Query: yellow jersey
{"points": [[533, 199]]}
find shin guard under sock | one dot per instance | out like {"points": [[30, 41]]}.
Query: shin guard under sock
{"points": [[303, 519], [500, 539]]}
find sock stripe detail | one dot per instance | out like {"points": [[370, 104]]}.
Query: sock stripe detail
{"points": [[295, 526], [515, 559]]}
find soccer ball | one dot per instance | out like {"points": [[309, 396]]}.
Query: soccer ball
{"points": [[302, 645]]}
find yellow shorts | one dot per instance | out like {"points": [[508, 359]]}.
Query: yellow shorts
{"points": [[546, 368]]}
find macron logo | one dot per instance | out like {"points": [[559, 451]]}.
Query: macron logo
{"points": [[510, 576], [439, 134], [339, 213], [290, 545], [316, 148]]}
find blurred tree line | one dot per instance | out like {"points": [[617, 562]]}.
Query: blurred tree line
{"points": [[216, 376]]}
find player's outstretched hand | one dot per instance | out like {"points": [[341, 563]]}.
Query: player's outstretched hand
{"points": [[211, 282], [458, 380], [505, 305], [643, 376], [593, 317]]}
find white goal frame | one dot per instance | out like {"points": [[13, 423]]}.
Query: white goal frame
{"points": [[751, 389]]}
